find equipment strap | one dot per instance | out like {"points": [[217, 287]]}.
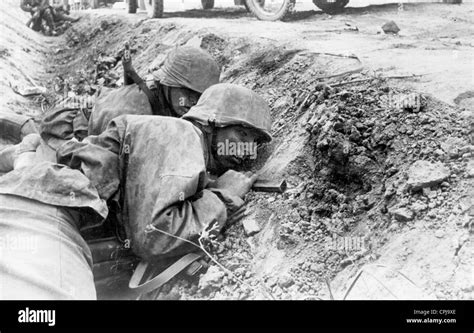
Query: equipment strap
{"points": [[163, 277]]}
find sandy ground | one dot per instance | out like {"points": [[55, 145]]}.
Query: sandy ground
{"points": [[434, 45]]}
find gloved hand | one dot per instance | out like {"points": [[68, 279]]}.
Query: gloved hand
{"points": [[236, 183], [127, 58]]}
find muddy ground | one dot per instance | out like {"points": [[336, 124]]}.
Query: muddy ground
{"points": [[380, 199]]}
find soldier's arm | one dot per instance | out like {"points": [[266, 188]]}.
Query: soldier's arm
{"points": [[98, 158], [184, 207]]}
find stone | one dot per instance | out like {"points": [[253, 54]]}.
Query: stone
{"points": [[452, 146], [401, 214], [251, 227], [317, 268], [439, 233], [285, 281], [390, 28], [470, 169], [439, 152], [346, 262], [211, 279], [424, 174], [418, 207]]}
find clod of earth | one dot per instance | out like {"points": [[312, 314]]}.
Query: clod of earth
{"points": [[251, 226], [211, 279], [426, 174], [470, 169]]}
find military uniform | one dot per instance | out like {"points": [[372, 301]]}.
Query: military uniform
{"points": [[187, 67]]}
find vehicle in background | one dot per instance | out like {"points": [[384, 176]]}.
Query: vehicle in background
{"points": [[267, 10]]}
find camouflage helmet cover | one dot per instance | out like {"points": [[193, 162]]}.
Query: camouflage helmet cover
{"points": [[227, 104], [188, 67]]}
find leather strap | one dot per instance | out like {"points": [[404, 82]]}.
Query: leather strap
{"points": [[163, 277]]}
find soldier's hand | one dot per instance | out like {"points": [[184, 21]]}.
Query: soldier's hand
{"points": [[236, 183]]}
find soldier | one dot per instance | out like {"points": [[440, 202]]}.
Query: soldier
{"points": [[42, 10], [173, 90], [155, 167]]}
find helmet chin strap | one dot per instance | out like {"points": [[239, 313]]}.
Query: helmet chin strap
{"points": [[214, 165]]}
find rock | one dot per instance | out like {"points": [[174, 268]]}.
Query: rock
{"points": [[439, 152], [251, 227], [470, 169], [426, 174], [439, 233], [432, 214], [467, 149], [390, 28], [211, 279], [285, 281], [346, 262], [317, 268], [418, 207], [401, 214]]}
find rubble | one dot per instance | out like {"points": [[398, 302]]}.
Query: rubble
{"points": [[424, 174], [211, 279]]}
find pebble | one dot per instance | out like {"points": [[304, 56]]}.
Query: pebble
{"points": [[418, 206], [439, 233], [390, 28], [424, 174], [285, 281], [251, 226], [431, 214]]}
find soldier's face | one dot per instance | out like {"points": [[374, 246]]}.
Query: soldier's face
{"points": [[182, 99], [235, 147]]}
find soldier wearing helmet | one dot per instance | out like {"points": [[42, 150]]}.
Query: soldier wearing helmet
{"points": [[154, 168], [161, 166], [174, 88]]}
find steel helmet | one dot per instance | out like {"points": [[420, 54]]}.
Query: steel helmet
{"points": [[226, 104], [188, 67]]}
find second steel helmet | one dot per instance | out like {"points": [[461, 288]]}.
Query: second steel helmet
{"points": [[227, 104]]}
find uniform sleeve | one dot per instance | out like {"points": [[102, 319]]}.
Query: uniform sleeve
{"points": [[58, 124], [97, 157], [183, 218]]}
